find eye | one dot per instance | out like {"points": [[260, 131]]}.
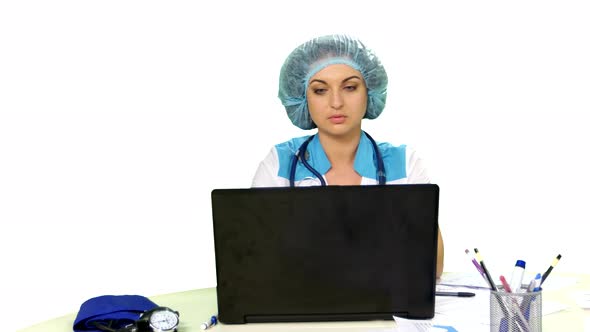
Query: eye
{"points": [[319, 91], [350, 87]]}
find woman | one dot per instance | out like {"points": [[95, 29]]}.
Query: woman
{"points": [[332, 83]]}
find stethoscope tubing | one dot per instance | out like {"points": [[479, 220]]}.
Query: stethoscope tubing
{"points": [[300, 155]]}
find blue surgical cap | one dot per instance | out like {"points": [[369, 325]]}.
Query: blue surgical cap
{"points": [[315, 55]]}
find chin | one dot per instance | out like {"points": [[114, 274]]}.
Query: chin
{"points": [[339, 130]]}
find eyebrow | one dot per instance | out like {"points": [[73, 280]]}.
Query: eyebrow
{"points": [[324, 82]]}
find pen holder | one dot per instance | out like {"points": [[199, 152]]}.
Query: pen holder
{"points": [[514, 312]]}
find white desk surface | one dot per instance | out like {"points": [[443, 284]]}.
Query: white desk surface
{"points": [[196, 306]]}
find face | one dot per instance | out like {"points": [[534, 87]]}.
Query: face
{"points": [[337, 100]]}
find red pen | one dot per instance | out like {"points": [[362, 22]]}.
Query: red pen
{"points": [[520, 319], [505, 284]]}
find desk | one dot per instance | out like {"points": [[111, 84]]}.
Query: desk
{"points": [[574, 318], [196, 306]]}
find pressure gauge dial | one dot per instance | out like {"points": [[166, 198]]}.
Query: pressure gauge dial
{"points": [[161, 319]]}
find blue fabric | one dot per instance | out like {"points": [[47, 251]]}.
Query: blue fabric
{"points": [[316, 54], [394, 159], [365, 160], [286, 151], [120, 310], [445, 327]]}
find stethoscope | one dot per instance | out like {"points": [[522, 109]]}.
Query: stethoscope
{"points": [[303, 150]]}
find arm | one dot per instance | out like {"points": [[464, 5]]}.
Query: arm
{"points": [[440, 256], [417, 174]]}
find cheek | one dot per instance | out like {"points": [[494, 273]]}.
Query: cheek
{"points": [[314, 104], [361, 104]]}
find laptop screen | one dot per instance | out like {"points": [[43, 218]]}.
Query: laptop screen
{"points": [[325, 253]]}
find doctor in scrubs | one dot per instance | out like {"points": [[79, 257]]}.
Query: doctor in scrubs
{"points": [[332, 83]]}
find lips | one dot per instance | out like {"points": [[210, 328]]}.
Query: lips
{"points": [[336, 119]]}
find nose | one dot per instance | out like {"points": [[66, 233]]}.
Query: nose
{"points": [[336, 100]]}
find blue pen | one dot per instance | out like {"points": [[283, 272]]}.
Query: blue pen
{"points": [[538, 281], [535, 284], [212, 321]]}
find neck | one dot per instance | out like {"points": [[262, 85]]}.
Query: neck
{"points": [[340, 150]]}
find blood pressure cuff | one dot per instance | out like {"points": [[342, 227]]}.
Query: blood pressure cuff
{"points": [[114, 311]]}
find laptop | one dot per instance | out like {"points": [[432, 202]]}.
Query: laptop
{"points": [[334, 253]]}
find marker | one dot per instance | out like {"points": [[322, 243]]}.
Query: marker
{"points": [[517, 275], [458, 294], [212, 321], [507, 287], [546, 274], [483, 266]]}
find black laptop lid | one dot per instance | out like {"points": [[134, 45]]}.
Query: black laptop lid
{"points": [[325, 253]]}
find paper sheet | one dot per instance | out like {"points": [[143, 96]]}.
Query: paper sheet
{"points": [[583, 299], [411, 325]]}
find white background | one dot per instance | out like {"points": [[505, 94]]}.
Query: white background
{"points": [[118, 118]]}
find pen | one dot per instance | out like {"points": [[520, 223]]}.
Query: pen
{"points": [[520, 319], [535, 284], [477, 266], [483, 266], [458, 294], [212, 321], [507, 287], [501, 303], [555, 261]]}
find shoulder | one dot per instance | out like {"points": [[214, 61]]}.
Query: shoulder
{"points": [[291, 146], [397, 150], [286, 150], [273, 170], [416, 171], [394, 160], [403, 163], [389, 149]]}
